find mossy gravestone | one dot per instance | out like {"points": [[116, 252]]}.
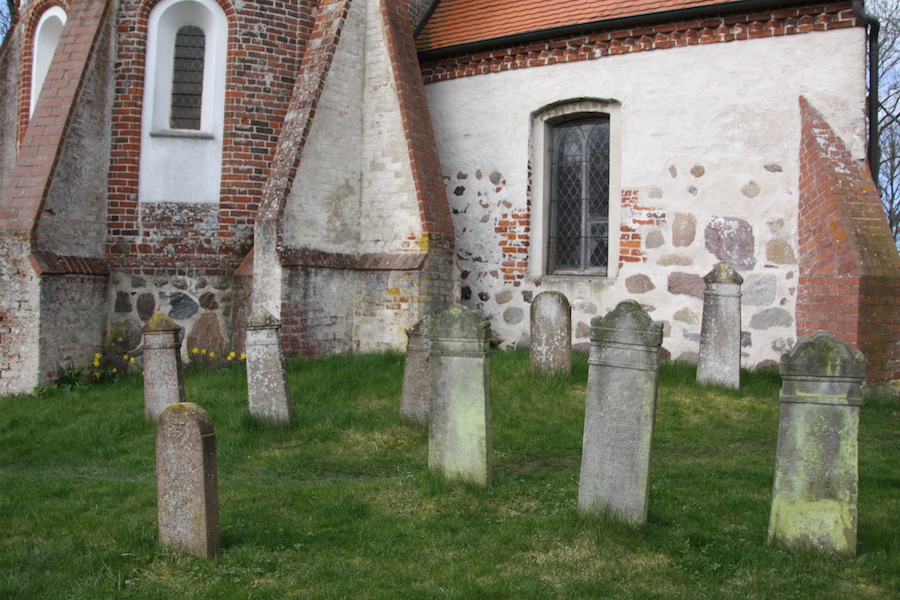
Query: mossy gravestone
{"points": [[415, 398], [163, 378], [814, 499], [620, 414], [551, 334], [459, 428], [268, 394], [187, 480], [720, 332]]}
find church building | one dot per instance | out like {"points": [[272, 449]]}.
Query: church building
{"points": [[354, 166]]}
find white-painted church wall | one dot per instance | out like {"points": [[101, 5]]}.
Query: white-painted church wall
{"points": [[708, 132]]}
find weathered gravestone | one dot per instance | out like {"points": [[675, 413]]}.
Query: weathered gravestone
{"points": [[814, 499], [459, 428], [620, 414], [720, 332], [187, 480], [415, 399], [551, 334], [163, 379], [267, 385]]}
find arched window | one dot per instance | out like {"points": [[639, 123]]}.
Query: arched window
{"points": [[576, 171], [184, 102], [46, 38]]}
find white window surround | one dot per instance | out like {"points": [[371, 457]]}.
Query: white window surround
{"points": [[46, 38], [542, 120], [182, 165]]}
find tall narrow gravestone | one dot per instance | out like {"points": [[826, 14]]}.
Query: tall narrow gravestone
{"points": [[720, 332], [814, 499], [163, 379], [459, 428], [416, 396], [267, 385], [620, 414], [551, 334], [187, 480]]}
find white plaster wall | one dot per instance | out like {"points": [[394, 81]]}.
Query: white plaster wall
{"points": [[730, 108], [323, 209]]}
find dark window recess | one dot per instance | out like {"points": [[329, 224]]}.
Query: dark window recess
{"points": [[187, 78], [579, 197]]}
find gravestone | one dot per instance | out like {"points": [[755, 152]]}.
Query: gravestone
{"points": [[814, 498], [459, 428], [163, 378], [267, 385], [187, 480], [551, 334], [620, 414], [720, 331], [416, 396]]}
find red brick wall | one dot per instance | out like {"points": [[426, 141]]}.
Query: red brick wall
{"points": [[263, 53], [849, 265], [726, 28]]}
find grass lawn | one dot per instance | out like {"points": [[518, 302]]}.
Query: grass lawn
{"points": [[341, 505]]}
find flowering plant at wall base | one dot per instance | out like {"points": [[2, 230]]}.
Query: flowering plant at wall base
{"points": [[102, 369], [200, 358]]}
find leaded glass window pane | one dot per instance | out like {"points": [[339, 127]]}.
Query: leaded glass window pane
{"points": [[187, 78], [579, 202]]}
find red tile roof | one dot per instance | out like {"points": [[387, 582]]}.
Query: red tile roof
{"points": [[457, 22]]}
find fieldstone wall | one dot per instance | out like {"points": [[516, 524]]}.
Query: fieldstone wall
{"points": [[700, 178], [203, 306]]}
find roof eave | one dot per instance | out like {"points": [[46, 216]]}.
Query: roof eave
{"points": [[678, 14]]}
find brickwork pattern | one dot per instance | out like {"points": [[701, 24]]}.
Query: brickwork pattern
{"points": [[849, 266], [635, 216], [263, 51], [38, 155], [727, 28]]}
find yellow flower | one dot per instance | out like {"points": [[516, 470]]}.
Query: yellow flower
{"points": [[203, 351], [98, 356], [96, 374], [195, 350], [125, 357], [212, 354], [229, 357], [113, 369], [243, 356], [131, 359], [96, 363]]}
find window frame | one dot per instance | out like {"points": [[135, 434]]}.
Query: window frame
{"points": [[182, 165], [166, 19], [543, 122]]}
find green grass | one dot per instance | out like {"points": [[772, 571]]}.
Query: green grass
{"points": [[341, 504]]}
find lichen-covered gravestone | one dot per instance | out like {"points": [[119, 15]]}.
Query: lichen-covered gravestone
{"points": [[551, 334], [459, 428], [267, 385], [416, 396], [620, 414], [163, 378], [187, 480], [720, 332], [814, 498]]}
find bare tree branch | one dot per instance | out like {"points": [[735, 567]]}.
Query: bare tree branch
{"points": [[888, 118]]}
